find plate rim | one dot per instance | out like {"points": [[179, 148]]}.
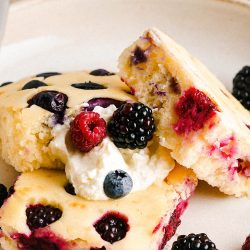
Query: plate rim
{"points": [[16, 4]]}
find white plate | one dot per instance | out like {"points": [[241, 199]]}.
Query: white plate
{"points": [[78, 34]]}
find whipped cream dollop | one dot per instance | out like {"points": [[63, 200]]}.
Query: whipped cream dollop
{"points": [[87, 171]]}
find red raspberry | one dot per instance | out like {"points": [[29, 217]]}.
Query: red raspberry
{"points": [[87, 130], [194, 109]]}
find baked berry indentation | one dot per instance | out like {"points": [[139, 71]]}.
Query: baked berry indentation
{"points": [[39, 216], [5, 84], [88, 86], [194, 109], [48, 74], [101, 72], [34, 84], [112, 226]]}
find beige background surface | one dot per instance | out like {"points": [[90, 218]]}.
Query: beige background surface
{"points": [[63, 35]]}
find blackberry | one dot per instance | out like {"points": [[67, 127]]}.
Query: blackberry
{"points": [[246, 245], [112, 227], [241, 87], [117, 184], [98, 248], [193, 242], [52, 101], [48, 74], [101, 72], [3, 194], [88, 86], [34, 84], [41, 216], [131, 126]]}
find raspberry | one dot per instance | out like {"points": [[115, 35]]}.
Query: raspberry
{"points": [[52, 101], [41, 216], [101, 72], [34, 84], [194, 109], [244, 168], [3, 194], [39, 240], [246, 245], [193, 242], [241, 87], [88, 86], [131, 126], [174, 221], [87, 130], [48, 74], [112, 227]]}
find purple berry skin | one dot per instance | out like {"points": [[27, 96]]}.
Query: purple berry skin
{"points": [[53, 101], [103, 102], [138, 56]]}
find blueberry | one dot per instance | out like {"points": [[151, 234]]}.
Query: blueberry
{"points": [[52, 101], [5, 84], [48, 74], [11, 191], [138, 56], [34, 84], [88, 86], [3, 194], [101, 72], [70, 189], [117, 184]]}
